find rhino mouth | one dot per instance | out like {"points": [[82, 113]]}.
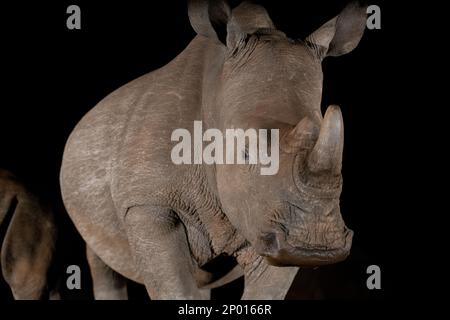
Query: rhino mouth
{"points": [[278, 252]]}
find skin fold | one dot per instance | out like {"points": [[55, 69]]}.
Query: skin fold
{"points": [[161, 224]]}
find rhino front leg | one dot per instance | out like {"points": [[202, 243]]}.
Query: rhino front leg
{"points": [[161, 253], [266, 282], [108, 284]]}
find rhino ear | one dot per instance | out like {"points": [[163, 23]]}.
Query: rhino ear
{"points": [[216, 20], [210, 18], [247, 18], [341, 34]]}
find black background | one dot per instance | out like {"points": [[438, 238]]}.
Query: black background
{"points": [[52, 76]]}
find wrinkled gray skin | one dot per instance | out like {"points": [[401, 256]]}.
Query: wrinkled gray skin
{"points": [[28, 237], [157, 223]]}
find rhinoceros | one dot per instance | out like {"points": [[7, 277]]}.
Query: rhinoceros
{"points": [[28, 238], [162, 225]]}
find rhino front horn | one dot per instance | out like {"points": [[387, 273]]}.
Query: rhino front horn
{"points": [[326, 155]]}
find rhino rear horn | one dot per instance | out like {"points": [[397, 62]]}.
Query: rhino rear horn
{"points": [[326, 155], [301, 137]]}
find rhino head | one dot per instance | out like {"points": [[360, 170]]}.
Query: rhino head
{"points": [[269, 81]]}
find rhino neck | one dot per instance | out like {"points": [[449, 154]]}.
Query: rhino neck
{"points": [[212, 56], [203, 207], [211, 81], [203, 62]]}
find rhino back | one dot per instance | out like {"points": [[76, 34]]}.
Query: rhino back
{"points": [[126, 137], [118, 155]]}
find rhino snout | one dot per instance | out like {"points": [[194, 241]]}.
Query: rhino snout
{"points": [[279, 251]]}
